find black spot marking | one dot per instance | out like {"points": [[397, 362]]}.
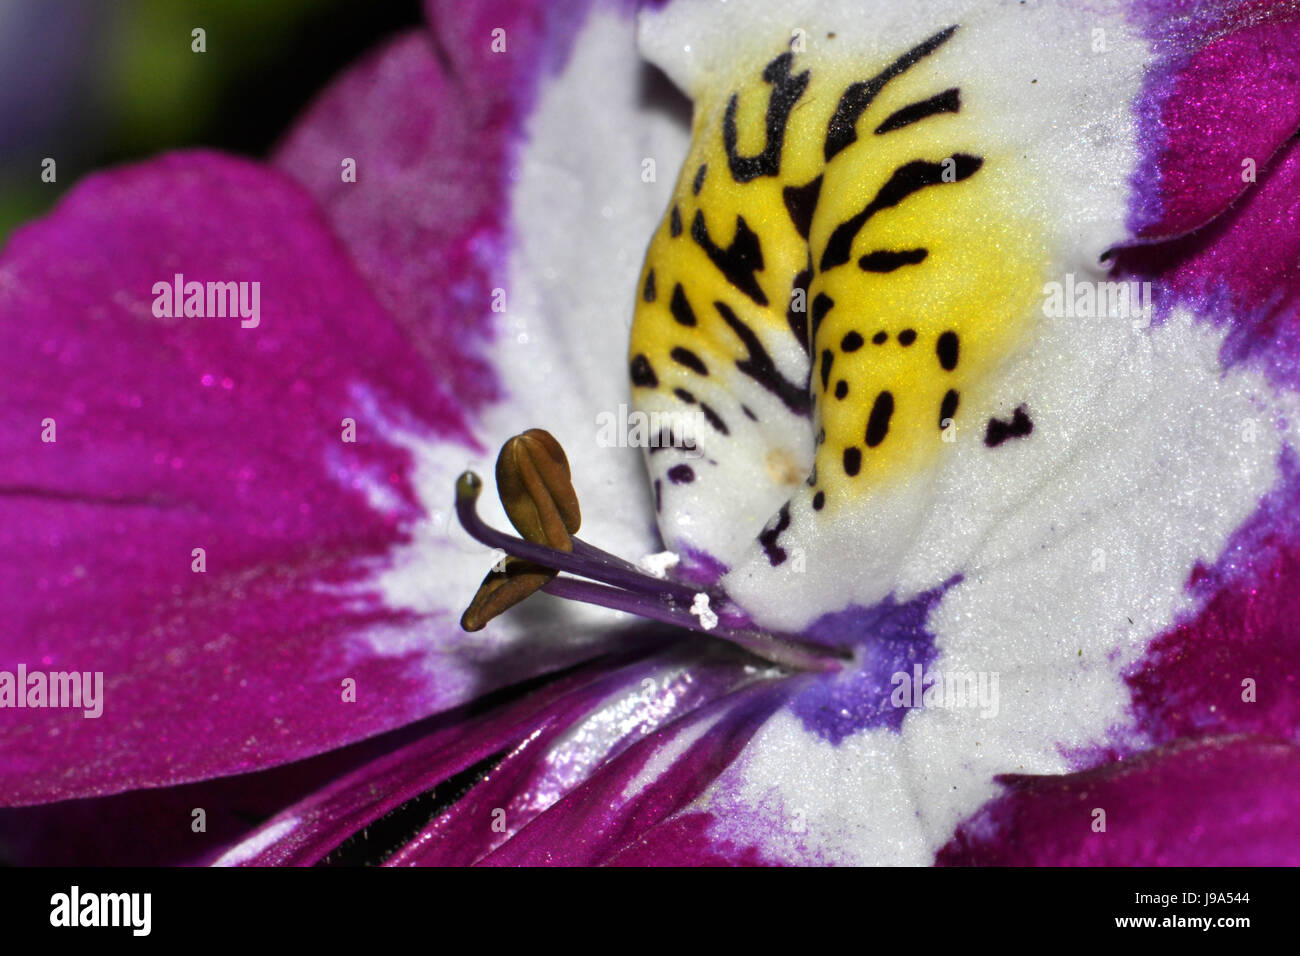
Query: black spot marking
{"points": [[684, 395], [801, 203], [906, 337], [851, 342], [907, 179], [675, 223], [769, 538], [947, 348], [643, 373], [949, 101], [714, 419], [786, 90], [878, 422], [821, 305], [648, 293], [698, 182], [842, 130], [759, 366], [885, 261], [852, 461], [880, 338], [684, 356], [821, 436], [798, 318], [827, 360], [819, 501], [999, 431], [811, 480], [841, 389], [948, 407], [680, 308], [739, 261], [681, 474]]}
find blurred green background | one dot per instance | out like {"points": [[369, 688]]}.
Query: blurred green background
{"points": [[92, 83]]}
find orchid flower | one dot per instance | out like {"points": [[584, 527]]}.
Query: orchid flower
{"points": [[970, 556]]}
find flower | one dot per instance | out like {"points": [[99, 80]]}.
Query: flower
{"points": [[1102, 556]]}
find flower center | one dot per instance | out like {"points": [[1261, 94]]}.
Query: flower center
{"points": [[536, 489]]}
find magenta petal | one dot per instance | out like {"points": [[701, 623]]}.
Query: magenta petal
{"points": [[645, 785], [1223, 802], [424, 221], [1213, 106], [1240, 271], [431, 121], [183, 433], [565, 750], [305, 833]]}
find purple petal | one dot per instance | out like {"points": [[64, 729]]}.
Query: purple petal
{"points": [[1223, 802]]}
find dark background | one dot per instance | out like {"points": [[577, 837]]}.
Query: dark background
{"points": [[93, 83]]}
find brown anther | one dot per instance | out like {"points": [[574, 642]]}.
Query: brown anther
{"points": [[502, 590], [536, 489]]}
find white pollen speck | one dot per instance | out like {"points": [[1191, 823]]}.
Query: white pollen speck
{"points": [[700, 608], [658, 565]]}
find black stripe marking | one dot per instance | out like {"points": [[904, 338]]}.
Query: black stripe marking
{"points": [[878, 423], [949, 101], [999, 431], [686, 357], [947, 348], [643, 373], [827, 360], [675, 223], [948, 407], [648, 293], [852, 461], [684, 395], [886, 261], [698, 183], [759, 366], [786, 90], [714, 419], [801, 203], [907, 179], [821, 305], [739, 261], [842, 131], [749, 414], [771, 534], [680, 308]]}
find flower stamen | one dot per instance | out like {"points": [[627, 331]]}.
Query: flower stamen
{"points": [[537, 492]]}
